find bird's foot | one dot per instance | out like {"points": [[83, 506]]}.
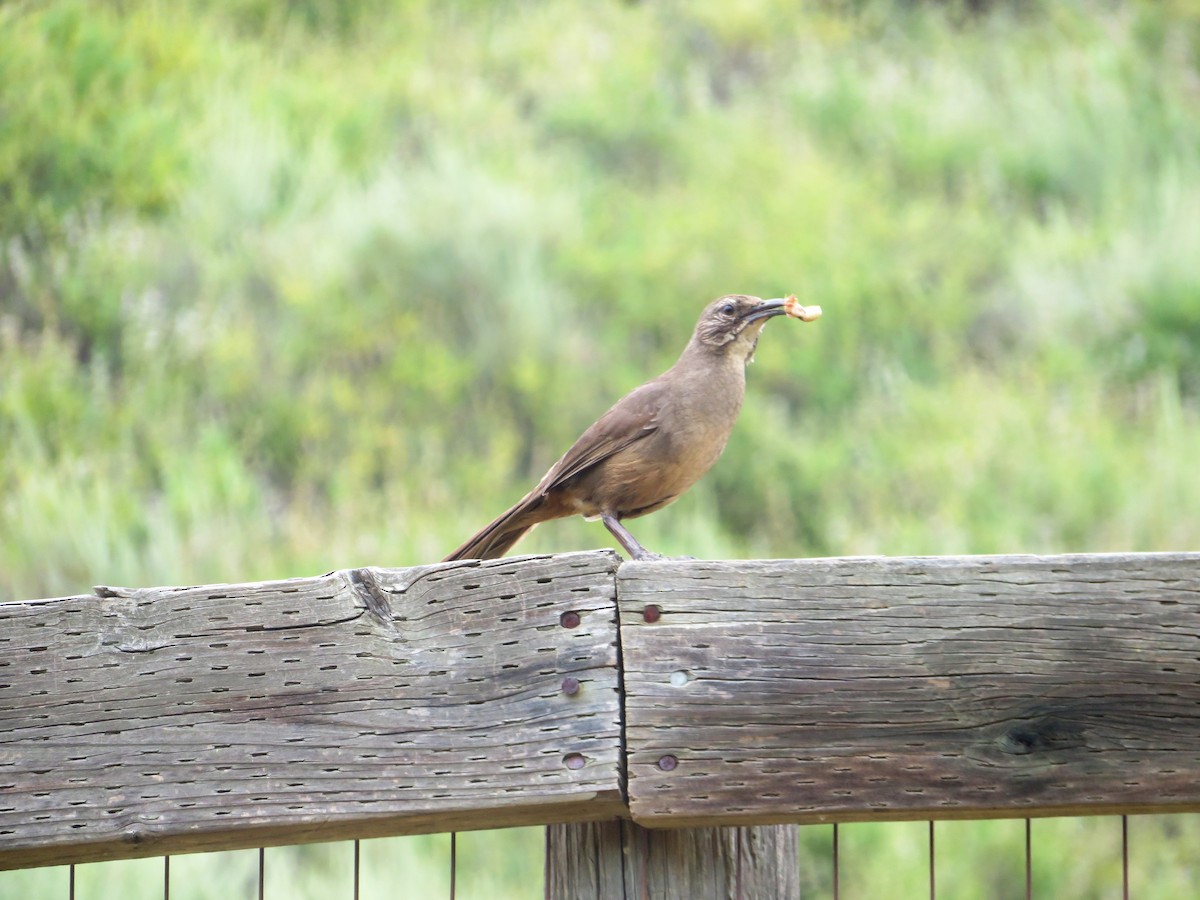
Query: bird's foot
{"points": [[649, 556], [635, 550], [643, 555]]}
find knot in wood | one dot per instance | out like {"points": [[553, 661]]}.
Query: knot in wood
{"points": [[1040, 736]]}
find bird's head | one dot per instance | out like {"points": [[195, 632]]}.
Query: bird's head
{"points": [[730, 325]]}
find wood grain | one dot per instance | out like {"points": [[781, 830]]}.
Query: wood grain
{"points": [[360, 703], [868, 689], [387, 701], [621, 860]]}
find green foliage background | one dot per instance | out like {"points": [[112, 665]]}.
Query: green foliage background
{"points": [[294, 286]]}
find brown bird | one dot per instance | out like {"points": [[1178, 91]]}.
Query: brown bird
{"points": [[656, 441]]}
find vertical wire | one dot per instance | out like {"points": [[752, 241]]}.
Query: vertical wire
{"points": [[1028, 861], [835, 861], [166, 878], [356, 869], [71, 882], [932, 889], [1125, 857], [261, 874], [453, 861]]}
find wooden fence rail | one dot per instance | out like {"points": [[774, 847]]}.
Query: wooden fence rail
{"points": [[570, 688]]}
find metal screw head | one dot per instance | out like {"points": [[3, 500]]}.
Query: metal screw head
{"points": [[652, 613], [569, 620], [667, 763], [570, 686], [573, 760]]}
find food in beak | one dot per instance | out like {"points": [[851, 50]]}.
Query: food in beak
{"points": [[792, 307]]}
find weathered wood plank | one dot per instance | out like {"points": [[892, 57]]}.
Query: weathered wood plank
{"points": [[853, 689], [372, 701], [360, 703]]}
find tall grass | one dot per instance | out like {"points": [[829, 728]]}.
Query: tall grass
{"points": [[290, 287]]}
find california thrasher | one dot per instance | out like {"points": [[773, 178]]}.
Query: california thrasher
{"points": [[656, 441]]}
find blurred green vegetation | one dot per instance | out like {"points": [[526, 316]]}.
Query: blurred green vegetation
{"points": [[293, 286]]}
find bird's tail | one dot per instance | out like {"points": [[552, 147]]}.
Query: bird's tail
{"points": [[501, 535]]}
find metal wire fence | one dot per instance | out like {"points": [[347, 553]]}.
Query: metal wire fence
{"points": [[1144, 857]]}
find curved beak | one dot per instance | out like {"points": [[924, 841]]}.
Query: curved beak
{"points": [[765, 310]]}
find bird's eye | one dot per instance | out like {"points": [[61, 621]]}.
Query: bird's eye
{"points": [[728, 309]]}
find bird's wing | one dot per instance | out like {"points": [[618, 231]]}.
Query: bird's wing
{"points": [[631, 419]]}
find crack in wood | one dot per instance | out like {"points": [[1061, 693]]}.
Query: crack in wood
{"points": [[366, 586]]}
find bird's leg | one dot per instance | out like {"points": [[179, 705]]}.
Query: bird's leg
{"points": [[627, 540]]}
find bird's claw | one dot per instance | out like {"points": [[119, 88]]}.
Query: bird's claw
{"points": [[649, 556]]}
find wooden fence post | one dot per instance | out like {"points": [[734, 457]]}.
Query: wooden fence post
{"points": [[620, 860]]}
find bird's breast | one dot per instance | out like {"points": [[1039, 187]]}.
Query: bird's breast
{"points": [[692, 429]]}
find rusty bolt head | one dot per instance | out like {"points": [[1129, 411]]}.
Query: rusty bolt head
{"points": [[573, 760], [570, 686], [569, 620], [667, 763], [652, 613]]}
